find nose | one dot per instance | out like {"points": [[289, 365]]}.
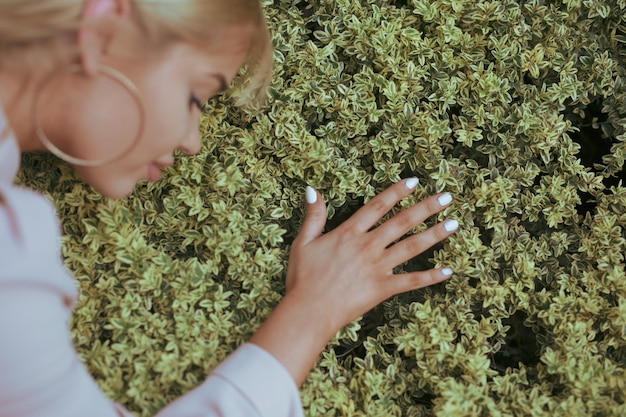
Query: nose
{"points": [[192, 143]]}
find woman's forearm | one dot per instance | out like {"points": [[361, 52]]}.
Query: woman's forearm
{"points": [[295, 334]]}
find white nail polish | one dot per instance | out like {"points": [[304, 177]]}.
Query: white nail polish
{"points": [[451, 225], [412, 183], [311, 195], [446, 272], [444, 199]]}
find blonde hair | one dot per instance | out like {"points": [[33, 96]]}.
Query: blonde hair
{"points": [[32, 30]]}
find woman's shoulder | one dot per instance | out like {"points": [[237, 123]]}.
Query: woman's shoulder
{"points": [[30, 249], [28, 217]]}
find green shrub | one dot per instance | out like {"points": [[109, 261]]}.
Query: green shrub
{"points": [[518, 108]]}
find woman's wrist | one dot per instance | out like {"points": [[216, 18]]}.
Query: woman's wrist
{"points": [[295, 334]]}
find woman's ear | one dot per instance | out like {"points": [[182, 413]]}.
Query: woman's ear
{"points": [[99, 21]]}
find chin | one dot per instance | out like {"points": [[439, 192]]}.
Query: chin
{"points": [[107, 182], [111, 188], [116, 194], [113, 191]]}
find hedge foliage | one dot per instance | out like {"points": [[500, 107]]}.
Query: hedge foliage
{"points": [[518, 108]]}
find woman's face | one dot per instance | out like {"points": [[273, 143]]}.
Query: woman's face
{"points": [[103, 120]]}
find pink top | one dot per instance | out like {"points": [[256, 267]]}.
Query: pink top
{"points": [[40, 372]]}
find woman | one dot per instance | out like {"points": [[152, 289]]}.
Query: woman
{"points": [[115, 87]]}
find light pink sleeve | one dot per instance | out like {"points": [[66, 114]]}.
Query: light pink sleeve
{"points": [[41, 375], [249, 383], [40, 372]]}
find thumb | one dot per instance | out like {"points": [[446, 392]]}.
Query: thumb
{"points": [[315, 219]]}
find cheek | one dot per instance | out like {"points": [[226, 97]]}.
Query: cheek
{"points": [[102, 122], [168, 122], [166, 126]]}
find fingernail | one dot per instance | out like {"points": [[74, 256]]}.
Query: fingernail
{"points": [[446, 272], [444, 199], [311, 195], [412, 183], [451, 225]]}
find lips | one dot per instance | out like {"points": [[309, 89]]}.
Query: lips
{"points": [[154, 172], [155, 168]]}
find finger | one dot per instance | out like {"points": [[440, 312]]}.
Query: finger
{"points": [[400, 283], [412, 246], [315, 219], [403, 222], [377, 207]]}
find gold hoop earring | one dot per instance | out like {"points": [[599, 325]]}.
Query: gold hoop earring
{"points": [[114, 75]]}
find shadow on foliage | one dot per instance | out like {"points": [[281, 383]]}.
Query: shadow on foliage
{"points": [[594, 145], [520, 345]]}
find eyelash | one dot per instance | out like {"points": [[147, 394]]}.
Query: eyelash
{"points": [[195, 101]]}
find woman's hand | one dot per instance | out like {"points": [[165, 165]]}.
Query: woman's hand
{"points": [[349, 270], [336, 277]]}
